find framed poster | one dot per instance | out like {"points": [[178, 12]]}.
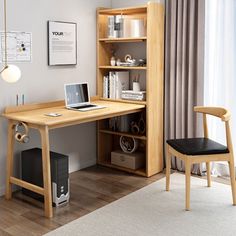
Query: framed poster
{"points": [[62, 43]]}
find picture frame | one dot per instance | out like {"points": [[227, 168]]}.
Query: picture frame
{"points": [[62, 43]]}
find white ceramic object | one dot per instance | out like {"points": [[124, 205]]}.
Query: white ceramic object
{"points": [[137, 28], [118, 61], [136, 86], [128, 144], [113, 61]]}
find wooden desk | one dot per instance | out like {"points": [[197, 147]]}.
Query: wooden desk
{"points": [[34, 117]]}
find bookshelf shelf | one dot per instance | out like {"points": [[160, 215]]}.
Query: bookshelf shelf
{"points": [[123, 40], [126, 101], [105, 131], [141, 172], [129, 10], [151, 48], [123, 67]]}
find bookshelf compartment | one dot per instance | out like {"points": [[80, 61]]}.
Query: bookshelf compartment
{"points": [[137, 51], [114, 145], [121, 24]]}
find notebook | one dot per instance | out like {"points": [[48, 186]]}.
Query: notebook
{"points": [[77, 97]]}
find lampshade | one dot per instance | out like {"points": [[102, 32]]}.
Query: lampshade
{"points": [[11, 73]]}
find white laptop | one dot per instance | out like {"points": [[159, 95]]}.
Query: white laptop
{"points": [[77, 97]]}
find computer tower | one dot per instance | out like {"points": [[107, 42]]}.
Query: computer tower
{"points": [[31, 163]]}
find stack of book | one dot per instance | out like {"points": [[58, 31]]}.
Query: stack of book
{"points": [[115, 83], [133, 95], [115, 26]]}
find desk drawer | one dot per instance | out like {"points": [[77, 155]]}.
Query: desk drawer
{"points": [[132, 161]]}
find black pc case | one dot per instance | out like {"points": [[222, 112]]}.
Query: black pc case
{"points": [[31, 163]]}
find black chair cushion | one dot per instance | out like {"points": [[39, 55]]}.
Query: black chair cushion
{"points": [[197, 146]]}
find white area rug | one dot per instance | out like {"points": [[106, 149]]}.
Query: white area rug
{"points": [[153, 211]]}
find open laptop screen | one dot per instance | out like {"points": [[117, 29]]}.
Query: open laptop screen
{"points": [[76, 94]]}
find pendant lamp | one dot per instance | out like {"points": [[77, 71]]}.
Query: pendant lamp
{"points": [[9, 73]]}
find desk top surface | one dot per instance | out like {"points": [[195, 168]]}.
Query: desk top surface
{"points": [[35, 114]]}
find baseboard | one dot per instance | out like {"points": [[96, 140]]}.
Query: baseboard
{"points": [[88, 164], [83, 165], [3, 189]]}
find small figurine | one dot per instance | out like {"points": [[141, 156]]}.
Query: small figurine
{"points": [[118, 61], [113, 61]]}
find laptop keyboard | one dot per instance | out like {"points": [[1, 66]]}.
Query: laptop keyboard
{"points": [[85, 106]]}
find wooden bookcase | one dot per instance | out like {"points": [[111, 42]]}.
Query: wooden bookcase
{"points": [[153, 46]]}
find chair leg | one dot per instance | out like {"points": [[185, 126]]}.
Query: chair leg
{"points": [[208, 166], [168, 166], [187, 183], [232, 178]]}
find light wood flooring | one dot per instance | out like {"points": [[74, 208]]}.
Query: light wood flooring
{"points": [[91, 189]]}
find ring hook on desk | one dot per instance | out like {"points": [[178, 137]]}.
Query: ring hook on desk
{"points": [[21, 132]]}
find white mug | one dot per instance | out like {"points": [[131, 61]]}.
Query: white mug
{"points": [[136, 86]]}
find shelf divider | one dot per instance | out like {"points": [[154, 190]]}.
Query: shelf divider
{"points": [[107, 131], [141, 172], [125, 101], [123, 40], [123, 67]]}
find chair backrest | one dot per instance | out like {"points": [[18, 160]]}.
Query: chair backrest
{"points": [[220, 112], [214, 111]]}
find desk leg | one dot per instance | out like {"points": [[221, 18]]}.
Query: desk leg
{"points": [[46, 171], [10, 152]]}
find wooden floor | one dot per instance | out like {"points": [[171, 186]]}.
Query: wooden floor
{"points": [[91, 189]]}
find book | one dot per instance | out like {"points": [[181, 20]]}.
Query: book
{"points": [[122, 82], [105, 87], [110, 25], [114, 83], [115, 26], [133, 95], [111, 85]]}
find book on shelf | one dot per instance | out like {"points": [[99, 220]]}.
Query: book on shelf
{"points": [[133, 95], [105, 87], [115, 83], [115, 26]]}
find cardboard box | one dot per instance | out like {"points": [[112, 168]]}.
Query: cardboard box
{"points": [[132, 161]]}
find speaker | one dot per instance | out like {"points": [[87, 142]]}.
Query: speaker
{"points": [[32, 172]]}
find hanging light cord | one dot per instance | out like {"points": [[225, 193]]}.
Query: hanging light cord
{"points": [[5, 30]]}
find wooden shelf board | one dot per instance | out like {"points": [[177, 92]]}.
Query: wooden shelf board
{"points": [[123, 67], [128, 10], [141, 172], [122, 40], [125, 101], [105, 131]]}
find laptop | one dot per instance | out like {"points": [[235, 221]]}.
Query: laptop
{"points": [[77, 97]]}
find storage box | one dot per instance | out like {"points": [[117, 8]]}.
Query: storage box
{"points": [[132, 161]]}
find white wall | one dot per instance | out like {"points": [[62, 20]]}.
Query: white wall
{"points": [[41, 83]]}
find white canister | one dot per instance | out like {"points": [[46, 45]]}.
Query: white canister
{"points": [[113, 61], [136, 86], [137, 28]]}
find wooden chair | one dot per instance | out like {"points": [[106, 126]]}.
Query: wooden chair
{"points": [[198, 150]]}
